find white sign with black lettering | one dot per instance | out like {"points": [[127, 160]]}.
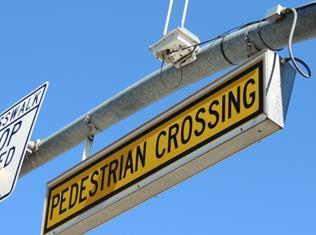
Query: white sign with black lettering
{"points": [[16, 126]]}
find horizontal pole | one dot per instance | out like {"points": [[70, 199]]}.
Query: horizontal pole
{"points": [[210, 60]]}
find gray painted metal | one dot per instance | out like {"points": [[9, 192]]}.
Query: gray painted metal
{"points": [[150, 89]]}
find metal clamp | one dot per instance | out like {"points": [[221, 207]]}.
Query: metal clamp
{"points": [[91, 131], [91, 128], [32, 147]]}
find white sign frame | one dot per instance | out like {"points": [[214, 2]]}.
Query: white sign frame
{"points": [[16, 126]]}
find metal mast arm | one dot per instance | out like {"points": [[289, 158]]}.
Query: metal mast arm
{"points": [[210, 59]]}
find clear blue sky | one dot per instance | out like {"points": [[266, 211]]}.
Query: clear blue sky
{"points": [[91, 50]]}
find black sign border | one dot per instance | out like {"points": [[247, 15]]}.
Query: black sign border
{"points": [[188, 106]]}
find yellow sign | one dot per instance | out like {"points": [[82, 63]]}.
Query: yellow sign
{"points": [[195, 122]]}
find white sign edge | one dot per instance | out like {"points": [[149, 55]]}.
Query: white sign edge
{"points": [[44, 86]]}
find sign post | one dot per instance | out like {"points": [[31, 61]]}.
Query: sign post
{"points": [[16, 126], [228, 115]]}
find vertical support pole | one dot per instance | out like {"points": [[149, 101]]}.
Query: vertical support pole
{"points": [[89, 141], [168, 17], [87, 148], [184, 13]]}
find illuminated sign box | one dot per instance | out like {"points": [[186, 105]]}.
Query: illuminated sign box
{"points": [[228, 115]]}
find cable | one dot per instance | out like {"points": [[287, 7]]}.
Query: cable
{"points": [[309, 72], [272, 72], [163, 81], [292, 58]]}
